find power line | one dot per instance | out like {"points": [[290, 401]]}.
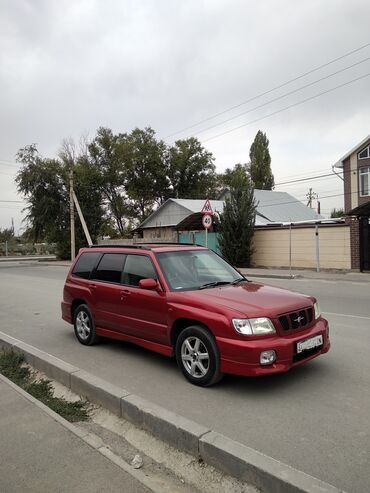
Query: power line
{"points": [[300, 198], [288, 107], [12, 207], [315, 69], [304, 174], [298, 186], [304, 179], [14, 201], [284, 95], [5, 162], [296, 200]]}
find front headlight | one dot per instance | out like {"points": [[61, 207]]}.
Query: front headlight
{"points": [[317, 310], [254, 326]]}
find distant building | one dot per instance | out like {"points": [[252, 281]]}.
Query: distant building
{"points": [[356, 174], [177, 215]]}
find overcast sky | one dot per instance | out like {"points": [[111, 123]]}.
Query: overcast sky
{"points": [[68, 67]]}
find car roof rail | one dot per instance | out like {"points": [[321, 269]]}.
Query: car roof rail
{"points": [[142, 246], [146, 246], [160, 243]]}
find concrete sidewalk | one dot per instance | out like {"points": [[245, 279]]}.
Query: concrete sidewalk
{"points": [[331, 275], [28, 258], [38, 454]]}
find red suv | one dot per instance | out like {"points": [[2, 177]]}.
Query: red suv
{"points": [[186, 301]]}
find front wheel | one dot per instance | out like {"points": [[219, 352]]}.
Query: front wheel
{"points": [[198, 356]]}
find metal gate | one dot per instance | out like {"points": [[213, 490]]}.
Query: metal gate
{"points": [[199, 238]]}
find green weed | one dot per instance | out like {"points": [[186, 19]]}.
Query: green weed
{"points": [[12, 366]]}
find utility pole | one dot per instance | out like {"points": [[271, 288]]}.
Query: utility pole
{"points": [[72, 213], [310, 196]]}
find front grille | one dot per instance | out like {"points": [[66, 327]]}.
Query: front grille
{"points": [[296, 320]]}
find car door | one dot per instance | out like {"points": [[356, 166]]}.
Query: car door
{"points": [[106, 291], [144, 311]]}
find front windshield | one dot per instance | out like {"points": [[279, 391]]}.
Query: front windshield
{"points": [[196, 269]]}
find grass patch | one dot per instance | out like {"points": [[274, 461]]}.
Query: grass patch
{"points": [[12, 366]]}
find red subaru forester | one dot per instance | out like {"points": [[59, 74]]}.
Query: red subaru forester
{"points": [[186, 301]]}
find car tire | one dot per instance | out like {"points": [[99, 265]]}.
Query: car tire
{"points": [[84, 326], [198, 357]]}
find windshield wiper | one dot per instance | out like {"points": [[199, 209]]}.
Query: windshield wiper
{"points": [[237, 281], [213, 284]]}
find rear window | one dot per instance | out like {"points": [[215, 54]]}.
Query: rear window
{"points": [[85, 264], [110, 267]]}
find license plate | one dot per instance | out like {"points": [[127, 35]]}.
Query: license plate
{"points": [[309, 343]]}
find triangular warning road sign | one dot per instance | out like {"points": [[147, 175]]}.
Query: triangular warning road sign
{"points": [[207, 209]]}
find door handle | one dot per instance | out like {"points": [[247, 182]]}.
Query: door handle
{"points": [[92, 286], [124, 293]]}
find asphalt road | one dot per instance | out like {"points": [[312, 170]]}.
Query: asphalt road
{"points": [[315, 418]]}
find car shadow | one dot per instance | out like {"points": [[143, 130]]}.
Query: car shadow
{"points": [[312, 371]]}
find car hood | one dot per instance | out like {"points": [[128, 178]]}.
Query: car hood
{"points": [[251, 299]]}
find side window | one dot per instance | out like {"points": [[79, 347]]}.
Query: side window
{"points": [[138, 267], [110, 267], [365, 182], [85, 264]]}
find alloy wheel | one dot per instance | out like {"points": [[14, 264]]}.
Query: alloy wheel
{"points": [[83, 325], [195, 357]]}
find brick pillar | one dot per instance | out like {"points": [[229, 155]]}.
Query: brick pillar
{"points": [[355, 243]]}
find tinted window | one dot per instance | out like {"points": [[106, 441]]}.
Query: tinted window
{"points": [[85, 264], [110, 267], [138, 267]]}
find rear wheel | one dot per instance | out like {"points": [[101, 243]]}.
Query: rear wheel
{"points": [[198, 356], [84, 326]]}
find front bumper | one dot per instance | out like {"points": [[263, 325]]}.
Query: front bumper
{"points": [[242, 357]]}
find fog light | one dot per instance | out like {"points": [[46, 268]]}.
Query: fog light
{"points": [[268, 357]]}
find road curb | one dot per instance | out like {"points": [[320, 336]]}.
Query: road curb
{"points": [[229, 456], [275, 276], [170, 427], [29, 258], [97, 390]]}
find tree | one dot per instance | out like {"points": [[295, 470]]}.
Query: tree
{"points": [[44, 183], [191, 170], [146, 180], [6, 234], [337, 212], [227, 178], [260, 163], [107, 153], [132, 173], [236, 223]]}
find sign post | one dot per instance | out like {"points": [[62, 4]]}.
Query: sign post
{"points": [[207, 218]]}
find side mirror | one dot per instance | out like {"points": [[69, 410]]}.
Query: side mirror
{"points": [[151, 284]]}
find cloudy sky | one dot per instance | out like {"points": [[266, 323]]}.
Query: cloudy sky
{"points": [[68, 67]]}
